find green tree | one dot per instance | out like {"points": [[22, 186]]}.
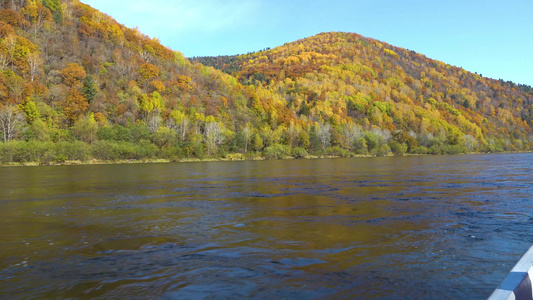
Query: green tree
{"points": [[85, 129], [165, 137], [360, 146], [55, 7], [371, 141], [30, 109], [89, 89], [40, 130], [304, 109], [403, 137], [303, 139], [398, 148], [314, 140], [257, 142]]}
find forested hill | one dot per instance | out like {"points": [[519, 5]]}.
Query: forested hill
{"points": [[77, 85], [339, 78], [72, 76]]}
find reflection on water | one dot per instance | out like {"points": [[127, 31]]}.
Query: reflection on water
{"points": [[413, 227]]}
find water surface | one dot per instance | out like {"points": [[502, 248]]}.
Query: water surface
{"points": [[435, 227]]}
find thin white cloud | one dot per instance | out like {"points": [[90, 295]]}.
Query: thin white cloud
{"points": [[163, 16]]}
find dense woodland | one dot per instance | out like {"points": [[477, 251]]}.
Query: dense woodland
{"points": [[76, 85]]}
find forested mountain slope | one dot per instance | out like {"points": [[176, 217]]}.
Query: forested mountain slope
{"points": [[339, 78], [76, 85], [71, 73]]}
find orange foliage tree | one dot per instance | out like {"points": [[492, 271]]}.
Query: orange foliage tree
{"points": [[75, 105], [148, 71], [73, 74]]}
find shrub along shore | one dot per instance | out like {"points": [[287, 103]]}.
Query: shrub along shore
{"points": [[100, 152], [34, 153]]}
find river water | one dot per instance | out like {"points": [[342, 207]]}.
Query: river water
{"points": [[433, 227]]}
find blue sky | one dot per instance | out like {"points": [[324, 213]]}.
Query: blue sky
{"points": [[494, 38]]}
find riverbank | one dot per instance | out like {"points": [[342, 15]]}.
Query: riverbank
{"points": [[148, 161], [231, 157], [34, 153]]}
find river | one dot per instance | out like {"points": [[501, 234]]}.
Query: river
{"points": [[433, 227]]}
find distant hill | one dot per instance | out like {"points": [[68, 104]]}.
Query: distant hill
{"points": [[341, 78], [77, 85]]}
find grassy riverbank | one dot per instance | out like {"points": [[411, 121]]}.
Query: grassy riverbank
{"points": [[34, 153], [227, 157], [30, 153]]}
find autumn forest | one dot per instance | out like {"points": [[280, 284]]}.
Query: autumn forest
{"points": [[75, 85]]}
